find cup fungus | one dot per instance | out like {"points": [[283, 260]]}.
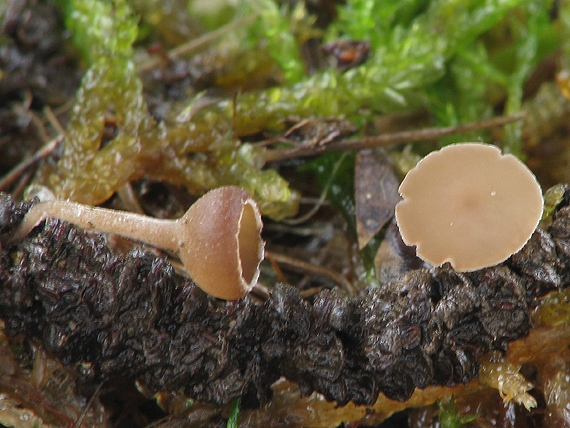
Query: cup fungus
{"points": [[218, 239], [468, 205]]}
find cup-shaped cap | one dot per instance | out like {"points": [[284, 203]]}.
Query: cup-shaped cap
{"points": [[222, 245], [468, 205]]}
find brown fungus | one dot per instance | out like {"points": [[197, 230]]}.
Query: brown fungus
{"points": [[468, 205], [218, 239]]}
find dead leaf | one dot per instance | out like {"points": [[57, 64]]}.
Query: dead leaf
{"points": [[375, 193], [394, 258]]}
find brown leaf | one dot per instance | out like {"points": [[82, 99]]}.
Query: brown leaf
{"points": [[394, 258], [375, 192]]}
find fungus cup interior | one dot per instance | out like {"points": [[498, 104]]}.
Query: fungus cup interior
{"points": [[223, 231], [250, 246], [468, 205]]}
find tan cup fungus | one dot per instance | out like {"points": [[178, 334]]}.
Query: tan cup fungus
{"points": [[468, 205], [218, 239]]}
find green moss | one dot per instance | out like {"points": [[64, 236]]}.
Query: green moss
{"points": [[407, 60], [211, 14], [104, 33], [424, 53], [499, 62], [101, 29], [449, 417], [199, 154], [554, 310], [275, 25], [565, 33], [552, 198], [533, 36], [460, 97]]}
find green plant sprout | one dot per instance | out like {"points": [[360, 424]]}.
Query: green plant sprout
{"points": [[234, 414], [449, 417]]}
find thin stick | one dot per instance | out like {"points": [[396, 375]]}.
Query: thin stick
{"points": [[388, 139], [276, 268], [19, 169], [260, 291], [19, 188], [315, 270], [197, 43], [53, 120], [40, 126], [129, 198], [322, 198], [309, 292], [88, 406]]}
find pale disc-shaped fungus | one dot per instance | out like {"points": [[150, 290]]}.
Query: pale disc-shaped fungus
{"points": [[468, 205]]}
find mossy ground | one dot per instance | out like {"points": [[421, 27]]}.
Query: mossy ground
{"points": [[145, 105]]}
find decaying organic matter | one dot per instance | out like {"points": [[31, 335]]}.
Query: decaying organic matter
{"points": [[132, 316]]}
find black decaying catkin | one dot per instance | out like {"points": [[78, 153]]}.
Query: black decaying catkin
{"points": [[133, 316]]}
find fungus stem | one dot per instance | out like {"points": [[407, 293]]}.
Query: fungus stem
{"points": [[218, 239], [158, 232]]}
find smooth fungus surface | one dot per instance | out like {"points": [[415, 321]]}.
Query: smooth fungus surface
{"points": [[468, 205]]}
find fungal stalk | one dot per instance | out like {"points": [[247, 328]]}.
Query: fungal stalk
{"points": [[218, 239]]}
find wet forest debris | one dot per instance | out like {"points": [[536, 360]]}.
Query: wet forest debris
{"points": [[466, 83], [132, 316], [545, 111], [32, 69], [388, 139], [348, 53], [31, 54], [375, 194]]}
